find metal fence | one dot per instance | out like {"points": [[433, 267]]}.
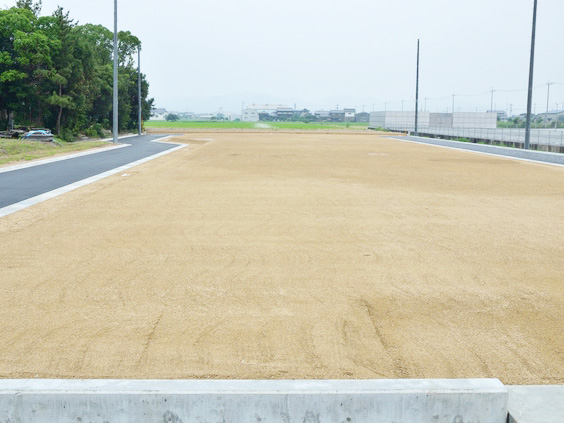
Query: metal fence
{"points": [[509, 136]]}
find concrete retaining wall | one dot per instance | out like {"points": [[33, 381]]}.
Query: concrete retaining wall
{"points": [[175, 401]]}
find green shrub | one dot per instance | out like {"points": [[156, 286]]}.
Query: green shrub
{"points": [[67, 135]]}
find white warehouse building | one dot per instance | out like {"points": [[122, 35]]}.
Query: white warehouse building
{"points": [[250, 115], [406, 120]]}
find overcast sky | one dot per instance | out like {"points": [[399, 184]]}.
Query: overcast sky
{"points": [[203, 55]]}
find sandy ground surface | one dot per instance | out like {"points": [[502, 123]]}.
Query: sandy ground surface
{"points": [[252, 255]]}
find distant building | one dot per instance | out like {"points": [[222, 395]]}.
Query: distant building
{"points": [[187, 116], [250, 115], [362, 117], [159, 114], [553, 116], [322, 116], [349, 115], [337, 115], [284, 113], [266, 117], [501, 115]]}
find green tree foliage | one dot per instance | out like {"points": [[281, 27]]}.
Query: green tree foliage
{"points": [[35, 7], [171, 117], [57, 74]]}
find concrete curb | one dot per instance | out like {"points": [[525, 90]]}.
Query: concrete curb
{"points": [[177, 401]]}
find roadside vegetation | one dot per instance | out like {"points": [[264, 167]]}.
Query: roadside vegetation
{"points": [[266, 126], [19, 150], [355, 126], [537, 122], [58, 75], [199, 125]]}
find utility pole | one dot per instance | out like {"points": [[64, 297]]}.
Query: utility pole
{"points": [[139, 89], [425, 104], [115, 110], [531, 69], [491, 103], [453, 102], [416, 133], [547, 99]]}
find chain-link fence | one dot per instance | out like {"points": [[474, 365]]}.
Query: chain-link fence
{"points": [[469, 127], [507, 136]]}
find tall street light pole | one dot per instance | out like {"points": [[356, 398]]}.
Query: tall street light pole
{"points": [[115, 110], [547, 99], [416, 133], [139, 88], [531, 69]]}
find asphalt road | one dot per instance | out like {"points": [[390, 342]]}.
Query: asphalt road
{"points": [[537, 156], [21, 184]]}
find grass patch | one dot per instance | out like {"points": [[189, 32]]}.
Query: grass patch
{"points": [[199, 125], [317, 126], [269, 126], [19, 150]]}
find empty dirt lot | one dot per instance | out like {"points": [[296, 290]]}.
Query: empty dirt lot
{"points": [[256, 255]]}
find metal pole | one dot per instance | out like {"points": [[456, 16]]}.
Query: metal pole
{"points": [[547, 99], [139, 88], [453, 103], [491, 103], [115, 107], [531, 69], [416, 133]]}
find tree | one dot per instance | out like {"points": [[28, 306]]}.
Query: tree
{"points": [[57, 74], [67, 69], [34, 7], [171, 117]]}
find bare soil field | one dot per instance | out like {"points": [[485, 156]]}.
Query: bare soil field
{"points": [[257, 255]]}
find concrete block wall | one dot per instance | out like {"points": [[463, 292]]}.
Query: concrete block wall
{"points": [[398, 120], [474, 120]]}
